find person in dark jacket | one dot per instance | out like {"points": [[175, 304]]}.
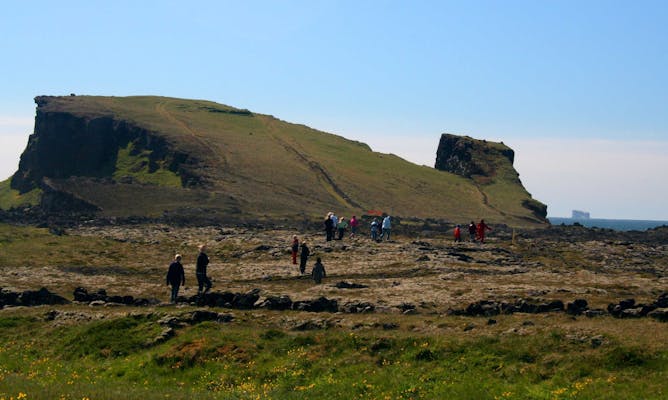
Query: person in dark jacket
{"points": [[472, 231], [176, 277], [329, 226], [318, 271], [303, 258], [200, 271]]}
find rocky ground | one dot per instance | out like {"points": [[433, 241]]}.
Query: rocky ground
{"points": [[411, 273]]}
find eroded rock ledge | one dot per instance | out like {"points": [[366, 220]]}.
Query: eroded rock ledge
{"points": [[627, 308]]}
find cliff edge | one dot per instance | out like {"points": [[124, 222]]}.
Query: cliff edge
{"points": [[152, 156]]}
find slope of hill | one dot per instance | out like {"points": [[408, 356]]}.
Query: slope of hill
{"points": [[144, 156]]}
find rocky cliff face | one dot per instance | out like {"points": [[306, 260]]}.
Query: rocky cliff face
{"points": [[486, 163], [66, 144], [469, 157]]}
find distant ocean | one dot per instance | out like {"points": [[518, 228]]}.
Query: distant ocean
{"points": [[616, 224]]}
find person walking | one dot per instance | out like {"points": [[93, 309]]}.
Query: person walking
{"points": [[341, 227], [482, 226], [335, 220], [329, 227], [458, 233], [303, 258], [318, 271], [472, 231], [354, 223], [387, 228], [295, 249], [374, 229], [176, 277], [203, 281]]}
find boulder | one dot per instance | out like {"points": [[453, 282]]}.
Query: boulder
{"points": [[318, 305], [358, 307], [349, 285], [577, 307], [203, 315], [282, 302], [660, 314], [485, 308], [246, 301], [40, 297]]}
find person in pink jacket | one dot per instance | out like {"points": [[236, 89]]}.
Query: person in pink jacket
{"points": [[354, 223]]}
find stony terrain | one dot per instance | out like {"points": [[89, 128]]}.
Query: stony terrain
{"points": [[421, 274]]}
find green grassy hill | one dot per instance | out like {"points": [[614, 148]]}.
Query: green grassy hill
{"points": [[146, 155]]}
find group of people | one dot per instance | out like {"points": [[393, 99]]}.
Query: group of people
{"points": [[176, 276], [476, 232], [379, 230], [382, 229], [335, 227], [318, 271]]}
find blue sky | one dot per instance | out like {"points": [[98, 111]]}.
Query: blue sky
{"points": [[578, 89]]}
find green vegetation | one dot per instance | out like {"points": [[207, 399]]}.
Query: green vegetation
{"points": [[10, 198], [135, 164], [249, 360]]}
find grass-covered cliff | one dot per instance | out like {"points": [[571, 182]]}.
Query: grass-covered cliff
{"points": [[144, 156]]}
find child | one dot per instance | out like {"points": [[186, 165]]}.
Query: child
{"points": [[318, 271]]}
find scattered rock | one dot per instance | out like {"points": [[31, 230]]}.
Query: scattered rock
{"points": [[358, 307], [312, 325], [577, 307], [321, 304], [660, 314], [597, 341], [277, 303], [594, 313], [349, 285], [390, 326]]}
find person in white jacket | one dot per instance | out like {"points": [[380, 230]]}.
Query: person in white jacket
{"points": [[387, 227]]}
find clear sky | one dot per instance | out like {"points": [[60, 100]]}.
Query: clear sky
{"points": [[579, 89]]}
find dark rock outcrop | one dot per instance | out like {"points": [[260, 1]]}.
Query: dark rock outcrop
{"points": [[469, 157], [30, 298], [358, 307], [321, 304], [277, 303], [349, 285], [101, 297], [67, 144], [490, 308], [577, 307], [484, 162]]}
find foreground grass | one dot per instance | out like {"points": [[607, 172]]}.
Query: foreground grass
{"points": [[251, 358]]}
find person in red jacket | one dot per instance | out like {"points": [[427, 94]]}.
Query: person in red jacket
{"points": [[295, 249], [458, 233], [482, 226]]}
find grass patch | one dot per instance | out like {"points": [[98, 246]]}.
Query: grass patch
{"points": [[135, 163], [248, 361], [10, 198]]}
